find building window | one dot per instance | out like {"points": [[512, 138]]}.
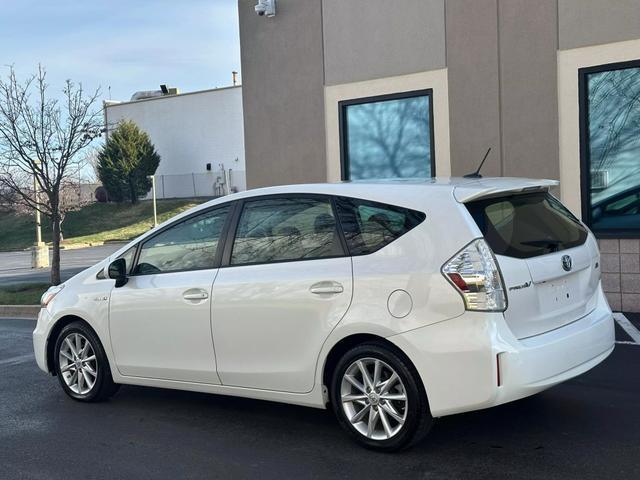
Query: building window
{"points": [[389, 136], [610, 148]]}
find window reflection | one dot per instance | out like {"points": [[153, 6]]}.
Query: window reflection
{"points": [[614, 148], [189, 245], [282, 229], [388, 138], [369, 226]]}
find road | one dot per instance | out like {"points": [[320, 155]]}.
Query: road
{"points": [[15, 267], [586, 428]]}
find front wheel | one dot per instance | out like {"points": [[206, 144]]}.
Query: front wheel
{"points": [[378, 398], [81, 364]]}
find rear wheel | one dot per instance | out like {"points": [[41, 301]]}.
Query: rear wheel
{"points": [[81, 364], [379, 399]]}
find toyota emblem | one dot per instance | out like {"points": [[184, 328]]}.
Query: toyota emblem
{"points": [[566, 263]]}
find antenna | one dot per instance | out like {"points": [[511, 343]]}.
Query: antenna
{"points": [[476, 174]]}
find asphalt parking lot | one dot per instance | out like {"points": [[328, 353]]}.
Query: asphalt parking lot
{"points": [[586, 428]]}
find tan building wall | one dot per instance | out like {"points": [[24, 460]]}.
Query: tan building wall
{"points": [[282, 88], [503, 74]]}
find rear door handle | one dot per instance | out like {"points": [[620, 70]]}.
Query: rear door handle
{"points": [[195, 294], [327, 288]]}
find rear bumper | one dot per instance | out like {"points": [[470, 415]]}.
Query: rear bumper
{"points": [[462, 360]]}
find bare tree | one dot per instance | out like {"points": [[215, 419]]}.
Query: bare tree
{"points": [[40, 142]]}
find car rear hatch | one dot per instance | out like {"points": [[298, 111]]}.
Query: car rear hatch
{"points": [[548, 260]]}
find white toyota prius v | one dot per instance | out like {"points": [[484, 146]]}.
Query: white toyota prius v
{"points": [[392, 303]]}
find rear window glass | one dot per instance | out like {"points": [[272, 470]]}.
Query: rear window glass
{"points": [[525, 226], [369, 226]]}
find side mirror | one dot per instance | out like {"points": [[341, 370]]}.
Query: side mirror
{"points": [[118, 272]]}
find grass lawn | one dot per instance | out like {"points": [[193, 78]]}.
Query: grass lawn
{"points": [[98, 222], [22, 294]]}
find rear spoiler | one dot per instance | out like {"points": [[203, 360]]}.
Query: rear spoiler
{"points": [[490, 187]]}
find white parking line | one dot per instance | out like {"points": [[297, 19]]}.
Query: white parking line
{"points": [[628, 327]]}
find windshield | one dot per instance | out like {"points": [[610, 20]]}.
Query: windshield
{"points": [[527, 225]]}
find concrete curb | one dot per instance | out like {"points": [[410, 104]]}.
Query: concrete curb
{"points": [[29, 312]]}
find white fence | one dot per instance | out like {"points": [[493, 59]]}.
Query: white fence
{"points": [[188, 185], [87, 192], [209, 184]]}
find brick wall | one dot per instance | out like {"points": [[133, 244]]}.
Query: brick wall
{"points": [[620, 261]]}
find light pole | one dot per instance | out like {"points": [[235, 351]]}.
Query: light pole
{"points": [[153, 190], [38, 224], [40, 251]]}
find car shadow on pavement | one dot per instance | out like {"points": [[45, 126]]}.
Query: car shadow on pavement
{"points": [[571, 428]]}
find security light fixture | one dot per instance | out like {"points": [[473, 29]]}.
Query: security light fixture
{"points": [[266, 7]]}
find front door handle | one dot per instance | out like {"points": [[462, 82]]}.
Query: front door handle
{"points": [[326, 288], [195, 294]]}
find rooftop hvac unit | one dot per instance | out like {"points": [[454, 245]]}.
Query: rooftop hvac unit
{"points": [[599, 179]]}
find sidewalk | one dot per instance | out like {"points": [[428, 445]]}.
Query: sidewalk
{"points": [[26, 312], [15, 267]]}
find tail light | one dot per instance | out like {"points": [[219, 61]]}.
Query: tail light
{"points": [[473, 271]]}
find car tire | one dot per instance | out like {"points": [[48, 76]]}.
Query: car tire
{"points": [[387, 413], [81, 364]]}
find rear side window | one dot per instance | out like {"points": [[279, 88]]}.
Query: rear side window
{"points": [[525, 226], [286, 229], [369, 226]]}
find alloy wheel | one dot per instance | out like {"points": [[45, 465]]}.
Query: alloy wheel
{"points": [[78, 363], [374, 399]]}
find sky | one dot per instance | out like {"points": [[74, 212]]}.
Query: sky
{"points": [[125, 45]]}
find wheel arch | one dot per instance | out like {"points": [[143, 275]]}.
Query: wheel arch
{"points": [[345, 344], [55, 331]]}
